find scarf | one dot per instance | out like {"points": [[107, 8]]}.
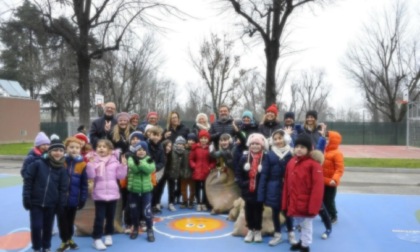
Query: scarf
{"points": [[203, 126], [56, 163], [281, 152], [102, 162], [256, 161]]}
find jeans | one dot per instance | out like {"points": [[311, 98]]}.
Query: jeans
{"points": [[42, 220], [104, 211], [200, 188], [276, 221], [66, 223], [140, 205]]}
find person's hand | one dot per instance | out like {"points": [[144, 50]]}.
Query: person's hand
{"points": [[168, 134], [235, 127], [107, 126], [288, 130], [81, 205], [27, 203], [333, 183]]}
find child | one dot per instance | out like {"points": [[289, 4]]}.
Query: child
{"points": [[333, 168], [158, 155], [77, 192], [105, 169], [86, 147], [140, 168], [40, 146], [201, 164], [223, 155], [44, 194], [161, 176], [247, 175], [271, 182], [303, 189], [188, 183], [178, 170]]}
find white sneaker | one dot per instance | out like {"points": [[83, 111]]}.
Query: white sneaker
{"points": [[158, 207], [127, 230], [108, 240], [249, 236], [198, 208], [98, 244], [257, 236], [203, 207], [291, 237], [276, 239], [171, 207]]}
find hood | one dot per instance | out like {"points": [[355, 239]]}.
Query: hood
{"points": [[334, 140], [317, 156]]}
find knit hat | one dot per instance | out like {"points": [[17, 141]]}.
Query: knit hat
{"points": [[137, 134], [257, 138], [273, 109], [41, 138], [134, 115], [201, 115], [82, 137], [287, 139], [152, 113], [180, 140], [248, 114], [304, 140], [141, 145], [289, 115], [56, 143], [203, 133], [123, 115], [312, 113], [148, 126], [192, 136]]}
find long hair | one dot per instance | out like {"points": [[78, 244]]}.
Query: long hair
{"points": [[116, 137], [168, 122]]}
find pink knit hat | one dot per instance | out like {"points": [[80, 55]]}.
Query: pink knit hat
{"points": [[152, 113], [258, 138], [123, 115]]}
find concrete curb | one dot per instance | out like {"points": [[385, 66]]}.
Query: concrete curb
{"points": [[382, 170], [11, 157]]}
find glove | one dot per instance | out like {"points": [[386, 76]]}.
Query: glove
{"points": [[81, 205], [27, 203]]}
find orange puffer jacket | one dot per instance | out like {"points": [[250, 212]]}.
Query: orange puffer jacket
{"points": [[334, 162]]}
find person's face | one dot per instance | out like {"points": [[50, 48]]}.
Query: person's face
{"points": [[223, 112], [102, 150], [174, 119], [300, 150], [152, 120], [288, 121], [310, 120], [246, 120], [278, 140], [57, 153], [122, 123], [270, 116], [135, 122], [73, 149], [255, 148], [190, 142], [110, 109], [154, 137], [201, 120], [204, 141], [43, 147], [168, 148], [134, 140], [224, 143], [141, 153]]}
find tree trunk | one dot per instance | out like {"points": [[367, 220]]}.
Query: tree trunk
{"points": [[83, 65], [272, 56]]}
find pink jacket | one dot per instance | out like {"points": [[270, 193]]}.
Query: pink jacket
{"points": [[105, 177]]}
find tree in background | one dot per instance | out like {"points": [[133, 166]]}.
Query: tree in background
{"points": [[384, 63]]}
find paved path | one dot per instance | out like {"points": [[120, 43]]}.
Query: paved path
{"points": [[380, 151]]}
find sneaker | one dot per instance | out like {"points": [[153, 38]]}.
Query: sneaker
{"points": [[257, 236], [296, 246], [326, 234], [156, 210], [190, 205], [204, 207], [72, 245], [108, 240], [159, 207], [98, 244], [171, 207], [291, 237], [249, 236], [128, 230], [276, 239], [150, 235], [183, 206], [198, 208], [334, 220], [134, 235], [143, 226], [63, 247]]}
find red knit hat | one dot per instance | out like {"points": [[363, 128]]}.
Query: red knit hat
{"points": [[153, 113], [273, 109], [203, 133], [82, 137]]}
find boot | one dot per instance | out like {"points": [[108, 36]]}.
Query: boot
{"points": [[134, 234], [304, 249], [296, 246], [150, 235]]}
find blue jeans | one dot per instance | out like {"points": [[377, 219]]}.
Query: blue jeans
{"points": [[104, 211], [42, 220], [276, 221], [141, 206]]}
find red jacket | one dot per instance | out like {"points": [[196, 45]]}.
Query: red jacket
{"points": [[200, 162], [303, 186], [334, 162]]}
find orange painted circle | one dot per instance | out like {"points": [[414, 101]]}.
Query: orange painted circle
{"points": [[197, 224]]}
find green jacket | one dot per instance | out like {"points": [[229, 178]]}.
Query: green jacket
{"points": [[139, 175]]}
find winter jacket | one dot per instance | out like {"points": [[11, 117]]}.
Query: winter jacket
{"points": [[242, 178], [106, 184], [200, 162], [45, 185], [180, 130], [268, 127], [333, 166], [223, 157], [78, 184], [270, 187], [123, 144], [157, 153], [32, 156], [139, 174], [97, 131], [180, 167], [303, 186], [219, 127]]}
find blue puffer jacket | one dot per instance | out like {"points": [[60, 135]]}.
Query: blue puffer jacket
{"points": [[78, 182], [45, 185], [271, 180], [32, 156]]}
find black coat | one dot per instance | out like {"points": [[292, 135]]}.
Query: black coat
{"points": [[219, 127], [268, 127], [242, 179], [180, 130], [97, 131], [157, 153]]}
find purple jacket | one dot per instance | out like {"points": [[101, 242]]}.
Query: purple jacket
{"points": [[106, 180]]}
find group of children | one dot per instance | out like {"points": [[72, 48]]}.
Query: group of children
{"points": [[280, 172]]}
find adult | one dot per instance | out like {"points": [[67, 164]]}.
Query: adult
{"points": [[134, 121], [222, 125], [82, 129], [120, 133], [311, 128], [201, 123], [175, 128], [289, 119], [269, 123], [152, 118], [101, 127]]}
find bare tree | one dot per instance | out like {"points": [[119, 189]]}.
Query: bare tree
{"points": [[268, 19], [92, 28], [384, 63], [198, 101], [251, 87]]}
